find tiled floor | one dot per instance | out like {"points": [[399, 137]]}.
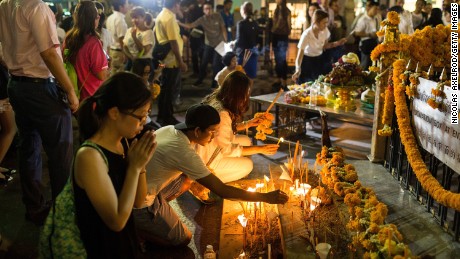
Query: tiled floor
{"points": [[425, 237]]}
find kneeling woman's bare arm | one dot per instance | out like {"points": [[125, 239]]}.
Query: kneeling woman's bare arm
{"points": [[91, 174]]}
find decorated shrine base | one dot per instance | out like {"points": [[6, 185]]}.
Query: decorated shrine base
{"points": [[231, 232], [326, 224], [296, 234]]}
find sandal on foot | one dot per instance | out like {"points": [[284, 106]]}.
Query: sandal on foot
{"points": [[8, 171], [5, 179]]}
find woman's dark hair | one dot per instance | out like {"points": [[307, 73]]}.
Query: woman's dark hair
{"points": [[316, 5], [396, 8], [227, 58], [124, 90], [148, 19], [282, 7], [435, 18], [319, 15], [247, 9], [139, 65], [232, 95], [84, 18], [138, 11], [100, 11]]}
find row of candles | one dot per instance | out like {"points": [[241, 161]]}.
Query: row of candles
{"points": [[259, 216]]}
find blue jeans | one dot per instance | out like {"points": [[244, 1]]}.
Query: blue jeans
{"points": [[210, 55], [42, 119], [280, 46]]}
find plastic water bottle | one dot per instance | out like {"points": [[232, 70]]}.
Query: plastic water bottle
{"points": [[209, 253]]}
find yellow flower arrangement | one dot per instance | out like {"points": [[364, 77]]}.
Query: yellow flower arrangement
{"points": [[264, 127], [393, 18]]}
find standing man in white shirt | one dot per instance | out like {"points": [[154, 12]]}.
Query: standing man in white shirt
{"points": [[366, 28], [117, 27], [419, 17]]}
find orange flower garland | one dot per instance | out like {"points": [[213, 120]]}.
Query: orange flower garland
{"points": [[428, 182], [388, 108], [367, 213]]}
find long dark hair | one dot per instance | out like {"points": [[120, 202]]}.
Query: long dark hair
{"points": [[84, 18], [282, 7], [124, 90], [247, 9], [232, 96]]}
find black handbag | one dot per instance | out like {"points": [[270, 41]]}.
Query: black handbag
{"points": [[160, 51], [368, 45]]}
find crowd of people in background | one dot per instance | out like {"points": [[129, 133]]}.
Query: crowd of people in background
{"points": [[122, 186]]}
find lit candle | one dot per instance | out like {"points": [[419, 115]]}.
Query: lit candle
{"points": [[280, 140], [269, 248], [266, 179], [306, 173], [243, 221], [290, 191]]}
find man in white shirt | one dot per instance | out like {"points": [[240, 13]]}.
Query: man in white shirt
{"points": [[366, 28], [172, 169], [418, 16], [117, 27]]}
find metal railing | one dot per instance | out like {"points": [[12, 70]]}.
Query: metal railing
{"points": [[397, 164]]}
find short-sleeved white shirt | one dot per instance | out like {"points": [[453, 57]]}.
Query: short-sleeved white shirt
{"points": [[311, 45], [145, 37], [173, 156], [117, 27], [367, 24]]}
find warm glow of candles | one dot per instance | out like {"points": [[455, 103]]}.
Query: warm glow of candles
{"points": [[280, 140], [243, 220], [314, 202]]}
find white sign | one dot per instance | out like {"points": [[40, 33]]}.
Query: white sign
{"points": [[433, 127]]}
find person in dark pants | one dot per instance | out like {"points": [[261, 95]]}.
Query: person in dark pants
{"points": [[246, 39], [32, 54], [174, 65], [313, 42], [193, 13], [280, 40], [215, 33]]}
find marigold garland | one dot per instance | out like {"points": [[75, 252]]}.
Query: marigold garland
{"points": [[367, 213], [428, 182]]}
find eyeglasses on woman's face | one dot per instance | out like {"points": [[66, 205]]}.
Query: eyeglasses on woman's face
{"points": [[140, 118]]}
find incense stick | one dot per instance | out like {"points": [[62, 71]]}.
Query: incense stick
{"points": [[214, 155], [274, 100]]}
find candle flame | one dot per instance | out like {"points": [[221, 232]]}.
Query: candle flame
{"points": [[243, 220], [266, 178], [314, 202], [252, 189], [282, 139], [259, 185]]}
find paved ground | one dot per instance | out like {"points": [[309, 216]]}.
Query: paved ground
{"points": [[20, 237]]}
